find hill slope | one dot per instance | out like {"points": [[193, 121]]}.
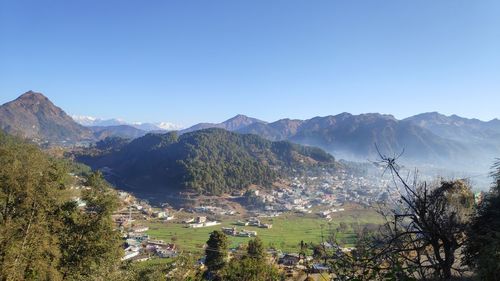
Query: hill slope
{"points": [[211, 161], [35, 117], [122, 131]]}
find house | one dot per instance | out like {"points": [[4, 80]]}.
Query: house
{"points": [[265, 225], [319, 268], [247, 233], [242, 223], [140, 229], [201, 219], [130, 252], [169, 218], [195, 225], [138, 236], [290, 259], [204, 224], [166, 253], [160, 215], [230, 231]]}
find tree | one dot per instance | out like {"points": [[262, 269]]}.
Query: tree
{"points": [[428, 229], [30, 195], [90, 244], [423, 234], [256, 249], [482, 252], [250, 269], [43, 233], [216, 253], [319, 252]]}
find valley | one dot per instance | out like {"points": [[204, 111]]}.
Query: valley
{"points": [[245, 178]]}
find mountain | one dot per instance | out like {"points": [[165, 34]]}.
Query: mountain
{"points": [[210, 161], [279, 130], [91, 121], [428, 139], [480, 137], [161, 126], [458, 128], [236, 123], [34, 116], [122, 131], [356, 135]]}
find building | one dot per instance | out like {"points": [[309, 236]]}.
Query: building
{"points": [[290, 259]]}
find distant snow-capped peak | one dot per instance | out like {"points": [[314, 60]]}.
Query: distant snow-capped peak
{"points": [[168, 126], [96, 121]]}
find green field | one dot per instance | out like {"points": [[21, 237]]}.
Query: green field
{"points": [[287, 232]]}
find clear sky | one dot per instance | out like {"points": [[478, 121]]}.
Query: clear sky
{"points": [[190, 61]]}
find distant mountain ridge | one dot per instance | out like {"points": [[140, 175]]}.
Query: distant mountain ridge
{"points": [[429, 138], [122, 131], [458, 128], [233, 124], [90, 121]]}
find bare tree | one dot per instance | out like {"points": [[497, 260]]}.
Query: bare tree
{"points": [[426, 231]]}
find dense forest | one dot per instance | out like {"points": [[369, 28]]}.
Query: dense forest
{"points": [[44, 234], [211, 161]]}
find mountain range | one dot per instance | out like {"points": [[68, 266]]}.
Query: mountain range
{"points": [[430, 139], [90, 121]]}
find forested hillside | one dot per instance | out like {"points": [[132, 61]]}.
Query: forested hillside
{"points": [[44, 235], [211, 161]]}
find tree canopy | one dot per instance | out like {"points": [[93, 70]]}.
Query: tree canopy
{"points": [[44, 235]]}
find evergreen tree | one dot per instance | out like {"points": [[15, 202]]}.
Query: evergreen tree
{"points": [[216, 253], [256, 249]]}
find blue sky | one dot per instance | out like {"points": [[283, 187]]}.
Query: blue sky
{"points": [[190, 61]]}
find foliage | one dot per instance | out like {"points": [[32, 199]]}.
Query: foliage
{"points": [[250, 269], [88, 240], [180, 268], [256, 249], [367, 262], [43, 234], [111, 143], [482, 252], [216, 252]]}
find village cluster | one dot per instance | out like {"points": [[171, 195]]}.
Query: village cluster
{"points": [[325, 190], [322, 191]]}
